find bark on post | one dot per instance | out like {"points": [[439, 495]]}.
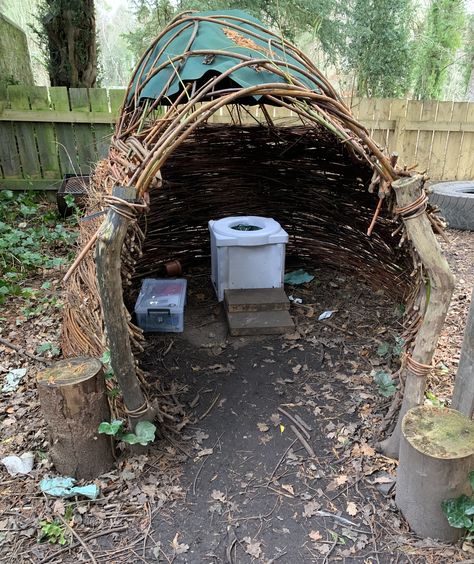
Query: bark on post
{"points": [[463, 396], [108, 265], [436, 455], [441, 285], [74, 403]]}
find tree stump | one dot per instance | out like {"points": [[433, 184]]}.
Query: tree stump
{"points": [[74, 403], [436, 455]]}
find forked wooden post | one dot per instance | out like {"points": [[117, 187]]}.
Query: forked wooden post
{"points": [[439, 289], [108, 265]]}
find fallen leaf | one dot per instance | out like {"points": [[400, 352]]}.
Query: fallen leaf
{"points": [[288, 488], [58, 507], [253, 547], [263, 427], [351, 508], [311, 508], [218, 495], [323, 548], [341, 480], [296, 368], [315, 536], [179, 548], [363, 450], [275, 419]]}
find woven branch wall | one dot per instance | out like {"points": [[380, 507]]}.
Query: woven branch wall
{"points": [[301, 177]]}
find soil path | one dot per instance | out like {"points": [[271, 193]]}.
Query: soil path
{"points": [[253, 492]]}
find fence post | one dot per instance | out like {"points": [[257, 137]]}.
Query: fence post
{"points": [[399, 134]]}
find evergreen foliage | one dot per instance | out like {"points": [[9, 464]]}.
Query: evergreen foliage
{"points": [[67, 31], [379, 46], [322, 18], [441, 38]]}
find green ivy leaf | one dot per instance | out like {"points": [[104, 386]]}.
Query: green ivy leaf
{"points": [[112, 428], [398, 347], [455, 511], [144, 434], [105, 358], [385, 383], [383, 349]]}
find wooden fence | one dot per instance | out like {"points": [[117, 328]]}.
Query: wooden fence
{"points": [[48, 132]]}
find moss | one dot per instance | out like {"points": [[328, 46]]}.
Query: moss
{"points": [[15, 65], [439, 432]]}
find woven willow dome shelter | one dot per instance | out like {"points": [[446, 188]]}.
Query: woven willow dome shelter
{"points": [[322, 178]]}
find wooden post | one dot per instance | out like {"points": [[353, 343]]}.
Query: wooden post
{"points": [[439, 292], [108, 265], [463, 396], [74, 403], [436, 455]]}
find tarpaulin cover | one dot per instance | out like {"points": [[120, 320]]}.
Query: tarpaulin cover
{"points": [[216, 35]]}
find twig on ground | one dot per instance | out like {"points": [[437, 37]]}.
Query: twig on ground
{"points": [[302, 422], [168, 348], [341, 520], [202, 464], [328, 554], [230, 547], [147, 533], [354, 483], [88, 538], [22, 352], [291, 418], [78, 538], [275, 558], [281, 460], [208, 410], [303, 441]]}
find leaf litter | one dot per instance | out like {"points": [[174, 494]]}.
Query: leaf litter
{"points": [[143, 502]]}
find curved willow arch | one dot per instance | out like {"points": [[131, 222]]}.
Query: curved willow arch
{"points": [[150, 132]]}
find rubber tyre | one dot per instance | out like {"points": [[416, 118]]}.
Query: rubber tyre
{"points": [[456, 202]]}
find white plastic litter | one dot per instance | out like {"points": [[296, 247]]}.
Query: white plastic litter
{"points": [[19, 464], [13, 379], [325, 315], [295, 300]]}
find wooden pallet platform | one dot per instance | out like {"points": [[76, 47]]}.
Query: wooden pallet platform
{"points": [[259, 323], [257, 299]]}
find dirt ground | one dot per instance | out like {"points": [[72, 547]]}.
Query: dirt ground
{"points": [[268, 453]]}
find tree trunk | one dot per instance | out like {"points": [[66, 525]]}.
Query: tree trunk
{"points": [[436, 455], [74, 403], [108, 265], [440, 288], [69, 28], [463, 396]]}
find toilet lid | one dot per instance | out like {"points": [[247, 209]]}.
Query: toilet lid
{"points": [[261, 231]]}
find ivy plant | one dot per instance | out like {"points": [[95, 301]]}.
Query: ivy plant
{"points": [[144, 432], [459, 511], [385, 384]]}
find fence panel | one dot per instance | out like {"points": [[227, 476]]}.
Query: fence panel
{"points": [[47, 132], [45, 135], [64, 131], [466, 154], [25, 134]]}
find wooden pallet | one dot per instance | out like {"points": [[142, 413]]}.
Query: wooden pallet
{"points": [[262, 311]]}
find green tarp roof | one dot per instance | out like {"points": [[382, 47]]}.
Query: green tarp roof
{"points": [[215, 35]]}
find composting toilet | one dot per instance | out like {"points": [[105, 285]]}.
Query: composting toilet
{"points": [[247, 252]]}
